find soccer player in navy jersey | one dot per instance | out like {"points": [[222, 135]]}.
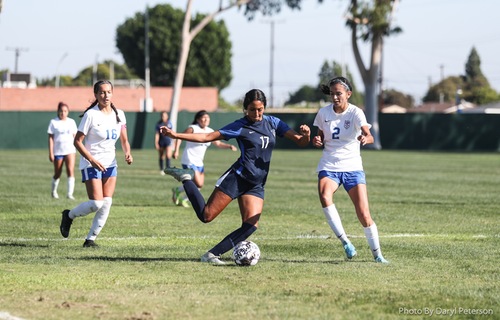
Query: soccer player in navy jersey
{"points": [[255, 134]]}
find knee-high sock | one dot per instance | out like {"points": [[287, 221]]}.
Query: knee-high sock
{"points": [[160, 162], [71, 186], [371, 234], [55, 184], [333, 219], [195, 197], [85, 208], [100, 219], [168, 162], [233, 238]]}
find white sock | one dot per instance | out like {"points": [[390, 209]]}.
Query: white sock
{"points": [[55, 184], [100, 219], [71, 186], [85, 208], [333, 219], [371, 234]]}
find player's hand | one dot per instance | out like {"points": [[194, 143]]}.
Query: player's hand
{"points": [[167, 132], [305, 130], [129, 159], [96, 164], [317, 142]]}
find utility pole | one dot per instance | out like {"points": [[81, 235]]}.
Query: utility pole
{"points": [[271, 66], [17, 51], [147, 87]]}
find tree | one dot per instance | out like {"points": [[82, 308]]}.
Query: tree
{"points": [[477, 89], [474, 85], [392, 96], [209, 61], [327, 72], [188, 35], [369, 21]]}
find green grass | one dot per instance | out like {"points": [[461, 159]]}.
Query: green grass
{"points": [[437, 213]]}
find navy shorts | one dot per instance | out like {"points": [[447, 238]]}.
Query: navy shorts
{"points": [[235, 186], [348, 179], [93, 173]]}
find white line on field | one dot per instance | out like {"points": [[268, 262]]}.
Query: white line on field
{"points": [[302, 236], [7, 316]]}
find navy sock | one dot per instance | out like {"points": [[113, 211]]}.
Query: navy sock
{"points": [[160, 162], [233, 238], [168, 163], [195, 197]]}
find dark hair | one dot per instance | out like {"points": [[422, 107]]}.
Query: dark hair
{"points": [[161, 120], [198, 115], [252, 95], [60, 105], [343, 81], [97, 85]]}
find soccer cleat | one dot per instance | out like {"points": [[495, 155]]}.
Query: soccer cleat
{"points": [[184, 203], [180, 174], [381, 259], [66, 222], [162, 172], [70, 197], [55, 195], [350, 250], [90, 244], [212, 258], [175, 196]]}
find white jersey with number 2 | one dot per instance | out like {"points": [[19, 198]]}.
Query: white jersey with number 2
{"points": [[101, 133], [341, 151]]}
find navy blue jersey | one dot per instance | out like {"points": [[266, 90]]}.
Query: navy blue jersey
{"points": [[164, 141], [256, 141]]}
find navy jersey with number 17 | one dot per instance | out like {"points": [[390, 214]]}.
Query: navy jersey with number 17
{"points": [[256, 141]]}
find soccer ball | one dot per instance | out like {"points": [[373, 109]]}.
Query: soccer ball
{"points": [[246, 253]]}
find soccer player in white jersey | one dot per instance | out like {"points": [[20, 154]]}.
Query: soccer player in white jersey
{"points": [[342, 129], [62, 131], [101, 126], [194, 153]]}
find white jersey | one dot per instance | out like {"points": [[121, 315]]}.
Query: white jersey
{"points": [[341, 151], [101, 133], [195, 152], [64, 135]]}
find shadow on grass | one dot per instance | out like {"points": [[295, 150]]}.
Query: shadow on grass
{"points": [[228, 262], [22, 245]]}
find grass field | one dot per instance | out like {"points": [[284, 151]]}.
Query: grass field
{"points": [[437, 213]]}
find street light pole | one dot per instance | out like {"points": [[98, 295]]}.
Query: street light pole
{"points": [[58, 77]]}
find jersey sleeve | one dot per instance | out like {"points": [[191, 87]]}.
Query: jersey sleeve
{"points": [[231, 130], [85, 124], [280, 126], [50, 129]]}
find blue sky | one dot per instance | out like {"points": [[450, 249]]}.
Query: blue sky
{"points": [[66, 36]]}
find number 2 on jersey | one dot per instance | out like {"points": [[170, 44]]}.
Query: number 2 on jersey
{"points": [[335, 133]]}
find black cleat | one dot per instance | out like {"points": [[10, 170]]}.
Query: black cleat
{"points": [[66, 222], [90, 244]]}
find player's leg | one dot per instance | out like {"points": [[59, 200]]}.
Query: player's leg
{"points": [[69, 161], [58, 166], [101, 215], [92, 178], [328, 184], [250, 208], [359, 197], [161, 158]]}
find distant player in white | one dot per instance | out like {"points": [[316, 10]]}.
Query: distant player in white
{"points": [[62, 131], [101, 126], [194, 153], [342, 129]]}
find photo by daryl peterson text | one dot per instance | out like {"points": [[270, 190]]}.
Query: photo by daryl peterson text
{"points": [[446, 311]]}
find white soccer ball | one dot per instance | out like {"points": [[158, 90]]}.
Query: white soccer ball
{"points": [[246, 253]]}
